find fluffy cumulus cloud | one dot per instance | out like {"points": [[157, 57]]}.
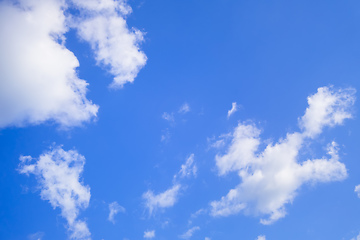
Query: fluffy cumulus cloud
{"points": [[169, 197], [261, 237], [38, 74], [116, 46], [270, 178], [149, 234], [58, 173], [114, 208], [188, 234]]}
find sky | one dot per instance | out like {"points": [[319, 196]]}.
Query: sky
{"points": [[204, 120]]}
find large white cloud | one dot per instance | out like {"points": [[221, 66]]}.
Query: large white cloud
{"points": [[38, 74], [270, 178], [38, 79], [58, 173]]}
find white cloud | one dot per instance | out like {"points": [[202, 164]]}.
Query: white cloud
{"points": [[36, 236], [327, 107], [271, 178], [234, 108], [116, 47], [149, 234], [168, 116], [188, 234], [162, 200], [357, 237], [206, 238], [169, 197], [58, 173], [357, 190], [114, 209], [198, 212], [189, 168], [184, 108], [38, 74], [261, 237], [165, 137]]}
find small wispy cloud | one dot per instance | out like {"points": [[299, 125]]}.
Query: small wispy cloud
{"points": [[149, 234], [234, 108], [169, 197], [168, 116], [36, 236], [188, 234], [114, 209], [261, 237], [189, 168], [184, 108], [162, 200]]}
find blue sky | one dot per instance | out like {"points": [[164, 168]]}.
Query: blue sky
{"points": [[179, 120]]}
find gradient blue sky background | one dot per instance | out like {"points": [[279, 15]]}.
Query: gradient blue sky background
{"points": [[267, 56]]}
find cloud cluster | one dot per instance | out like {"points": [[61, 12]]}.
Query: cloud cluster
{"points": [[39, 80], [270, 178], [169, 197], [58, 173]]}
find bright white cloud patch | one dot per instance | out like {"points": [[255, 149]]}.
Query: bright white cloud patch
{"points": [[38, 74], [103, 25], [271, 178], [234, 108], [327, 107], [169, 197], [149, 234], [184, 108], [58, 173], [114, 209], [188, 234]]}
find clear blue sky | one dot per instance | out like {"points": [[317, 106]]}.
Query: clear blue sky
{"points": [[165, 120]]}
